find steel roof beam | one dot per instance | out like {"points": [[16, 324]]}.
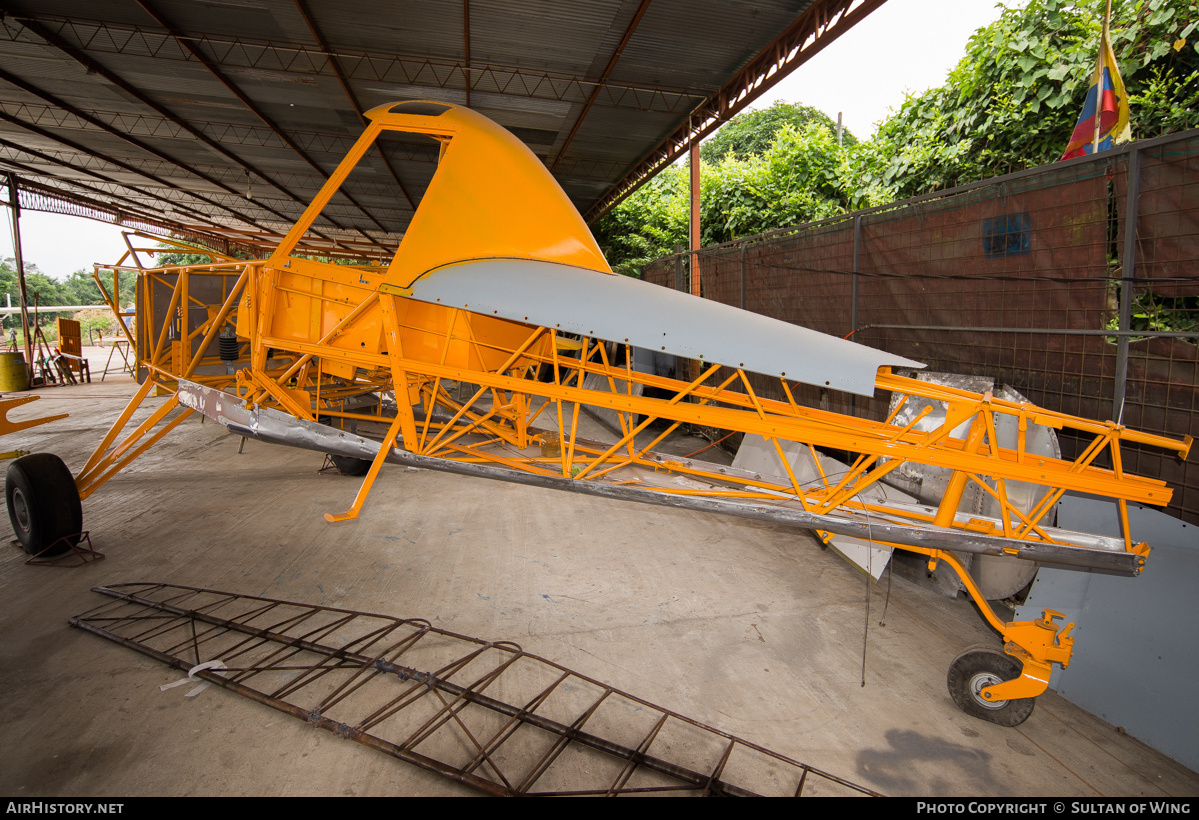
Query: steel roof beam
{"points": [[87, 62], [102, 185], [589, 168], [253, 241], [119, 215], [352, 243], [123, 166], [68, 195], [65, 106], [152, 125], [345, 87], [119, 206], [628, 34], [302, 59], [48, 116], [822, 23], [466, 48], [132, 208], [253, 107]]}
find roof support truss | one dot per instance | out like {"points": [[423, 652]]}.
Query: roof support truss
{"points": [[308, 61]]}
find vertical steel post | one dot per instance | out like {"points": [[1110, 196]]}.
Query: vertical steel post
{"points": [[1127, 276], [853, 304], [678, 268], [743, 276], [694, 368], [15, 205], [466, 47], [695, 210], [857, 260]]}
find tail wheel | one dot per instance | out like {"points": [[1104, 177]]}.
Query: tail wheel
{"points": [[977, 668], [348, 465], [43, 504]]}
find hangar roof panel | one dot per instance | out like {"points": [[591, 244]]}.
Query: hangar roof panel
{"points": [[220, 119]]}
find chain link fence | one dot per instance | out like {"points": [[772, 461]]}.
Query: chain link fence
{"points": [[1077, 284]]}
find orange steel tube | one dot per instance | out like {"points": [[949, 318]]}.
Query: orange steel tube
{"points": [[492, 198]]}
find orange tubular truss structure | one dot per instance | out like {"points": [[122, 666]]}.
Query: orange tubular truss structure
{"points": [[379, 363]]}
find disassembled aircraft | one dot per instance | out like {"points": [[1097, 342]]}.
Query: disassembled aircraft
{"points": [[498, 310]]}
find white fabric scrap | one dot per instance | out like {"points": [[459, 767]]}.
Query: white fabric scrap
{"points": [[191, 678]]}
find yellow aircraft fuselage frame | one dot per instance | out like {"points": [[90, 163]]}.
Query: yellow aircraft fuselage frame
{"points": [[320, 333]]}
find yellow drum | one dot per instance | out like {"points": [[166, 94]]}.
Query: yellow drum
{"points": [[14, 375]]}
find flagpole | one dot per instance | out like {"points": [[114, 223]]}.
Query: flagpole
{"points": [[1099, 77]]}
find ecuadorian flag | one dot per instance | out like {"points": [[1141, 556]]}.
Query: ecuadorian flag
{"points": [[1105, 119]]}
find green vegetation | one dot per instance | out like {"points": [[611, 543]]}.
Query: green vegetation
{"points": [[76, 289], [1015, 97], [1011, 103], [750, 134], [798, 178], [163, 260], [1155, 313]]}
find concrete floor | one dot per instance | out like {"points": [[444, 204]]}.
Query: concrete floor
{"points": [[746, 626]]}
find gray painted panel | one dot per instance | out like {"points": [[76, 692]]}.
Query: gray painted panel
{"points": [[622, 309], [1136, 659], [758, 455]]}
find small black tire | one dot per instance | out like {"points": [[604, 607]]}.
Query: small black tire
{"points": [[348, 465], [43, 504], [977, 668]]}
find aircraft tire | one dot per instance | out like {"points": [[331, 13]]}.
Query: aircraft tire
{"points": [[978, 667], [43, 504], [348, 465]]}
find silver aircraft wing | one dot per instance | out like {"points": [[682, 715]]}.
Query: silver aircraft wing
{"points": [[622, 309]]}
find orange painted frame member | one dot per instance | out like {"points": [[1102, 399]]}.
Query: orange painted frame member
{"points": [[498, 313]]}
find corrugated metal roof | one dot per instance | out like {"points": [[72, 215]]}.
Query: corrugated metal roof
{"points": [[219, 114]]}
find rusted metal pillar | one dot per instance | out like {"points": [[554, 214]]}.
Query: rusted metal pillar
{"points": [[695, 206], [1128, 269], [694, 366], [857, 268], [743, 276], [853, 308], [15, 205]]}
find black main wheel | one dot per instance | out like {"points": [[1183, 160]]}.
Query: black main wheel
{"points": [[348, 465], [977, 668], [43, 504]]}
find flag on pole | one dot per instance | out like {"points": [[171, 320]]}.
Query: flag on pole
{"points": [[1104, 121]]}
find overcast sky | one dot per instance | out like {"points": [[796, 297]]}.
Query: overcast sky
{"points": [[906, 46]]}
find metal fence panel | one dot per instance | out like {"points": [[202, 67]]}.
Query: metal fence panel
{"points": [[1020, 278]]}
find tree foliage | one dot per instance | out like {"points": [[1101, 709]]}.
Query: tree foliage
{"points": [[79, 288], [76, 289], [1013, 100], [796, 178], [1011, 103], [163, 260], [751, 134]]}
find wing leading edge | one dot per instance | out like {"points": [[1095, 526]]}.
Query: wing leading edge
{"points": [[623, 309]]}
